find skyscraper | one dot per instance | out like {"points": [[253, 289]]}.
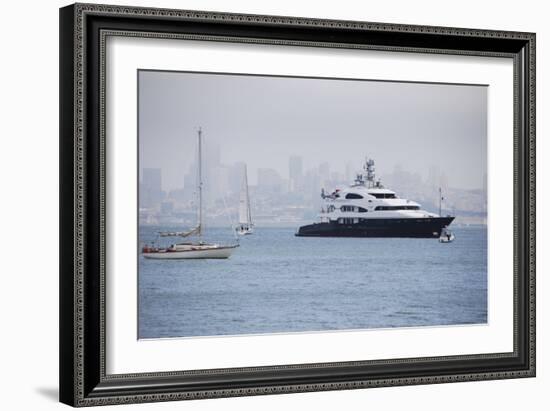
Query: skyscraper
{"points": [[324, 173], [295, 173], [150, 194], [211, 168], [236, 172], [269, 180]]}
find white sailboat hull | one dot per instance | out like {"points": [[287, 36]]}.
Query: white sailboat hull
{"points": [[245, 231], [192, 252]]}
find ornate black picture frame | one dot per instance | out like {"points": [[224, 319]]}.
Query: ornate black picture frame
{"points": [[83, 379]]}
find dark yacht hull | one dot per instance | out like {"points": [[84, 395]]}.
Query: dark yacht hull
{"points": [[379, 227]]}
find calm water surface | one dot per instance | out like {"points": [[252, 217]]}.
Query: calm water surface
{"points": [[276, 282]]}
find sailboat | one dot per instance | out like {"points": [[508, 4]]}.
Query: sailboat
{"points": [[245, 225], [190, 250]]}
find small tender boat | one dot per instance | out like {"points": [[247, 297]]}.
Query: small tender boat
{"points": [[446, 236], [190, 250], [245, 226]]}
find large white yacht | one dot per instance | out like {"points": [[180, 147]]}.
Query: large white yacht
{"points": [[368, 209]]}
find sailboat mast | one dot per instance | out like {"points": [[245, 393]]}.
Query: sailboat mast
{"points": [[248, 216], [200, 182]]}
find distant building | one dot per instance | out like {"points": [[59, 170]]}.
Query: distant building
{"points": [[313, 187], [337, 178], [235, 176], [324, 174], [214, 175], [166, 207], [269, 180], [216, 185], [295, 174], [190, 183], [212, 154], [177, 195], [150, 193]]}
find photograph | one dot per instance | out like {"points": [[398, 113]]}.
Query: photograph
{"points": [[282, 204], [262, 201]]}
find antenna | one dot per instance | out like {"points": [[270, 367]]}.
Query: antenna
{"points": [[440, 198], [369, 168]]}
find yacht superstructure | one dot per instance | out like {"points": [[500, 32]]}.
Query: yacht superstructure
{"points": [[367, 209]]}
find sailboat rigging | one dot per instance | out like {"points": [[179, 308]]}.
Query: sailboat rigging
{"points": [[245, 226], [190, 250]]}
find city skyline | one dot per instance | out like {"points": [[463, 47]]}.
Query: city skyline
{"points": [[279, 201], [323, 122], [151, 179]]}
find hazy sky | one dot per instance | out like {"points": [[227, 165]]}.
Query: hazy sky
{"points": [[264, 120]]}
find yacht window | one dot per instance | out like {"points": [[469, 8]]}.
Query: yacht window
{"points": [[353, 196], [348, 220], [383, 195], [388, 208], [356, 209]]}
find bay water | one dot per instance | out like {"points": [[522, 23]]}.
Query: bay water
{"points": [[275, 282]]}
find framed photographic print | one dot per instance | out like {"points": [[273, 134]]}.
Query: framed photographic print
{"points": [[262, 204]]}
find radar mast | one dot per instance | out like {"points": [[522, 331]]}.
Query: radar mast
{"points": [[368, 179]]}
